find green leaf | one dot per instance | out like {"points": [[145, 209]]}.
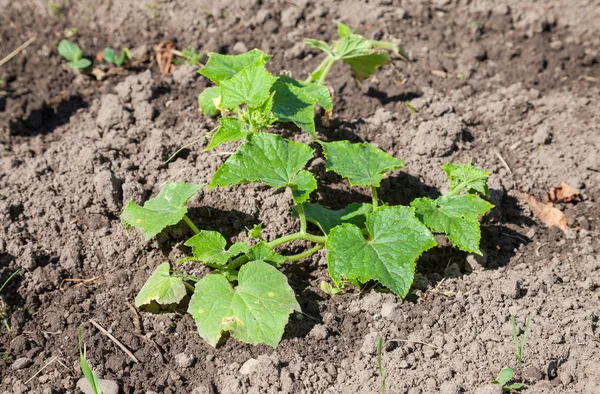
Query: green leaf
{"points": [[230, 129], [270, 159], [353, 46], [255, 231], [89, 375], [162, 288], [361, 163], [396, 239], [122, 58], [514, 386], [108, 55], [256, 311], [467, 177], [318, 44], [326, 219], [365, 66], [302, 185], [69, 50], [505, 375], [250, 86], [343, 30], [261, 118], [166, 209], [261, 251], [80, 64], [455, 216], [209, 247], [220, 68], [293, 103], [208, 99]]}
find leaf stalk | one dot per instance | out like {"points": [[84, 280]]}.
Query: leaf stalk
{"points": [[191, 224]]}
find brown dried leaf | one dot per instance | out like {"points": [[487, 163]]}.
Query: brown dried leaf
{"points": [[564, 193], [164, 56], [547, 213]]}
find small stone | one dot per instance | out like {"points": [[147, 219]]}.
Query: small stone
{"points": [[450, 388], [489, 389], [532, 373], [239, 47], [262, 16], [441, 108], [107, 386], [369, 344], [144, 112], [513, 288], [556, 45], [476, 262], [533, 94], [21, 363], [183, 75], [319, 332], [290, 16], [249, 366], [184, 360], [391, 311], [403, 364], [542, 136], [111, 112], [501, 10]]}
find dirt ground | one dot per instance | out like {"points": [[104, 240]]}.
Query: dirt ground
{"points": [[511, 85]]}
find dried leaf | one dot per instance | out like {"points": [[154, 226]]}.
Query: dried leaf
{"points": [[164, 56], [547, 213], [439, 73], [563, 193]]}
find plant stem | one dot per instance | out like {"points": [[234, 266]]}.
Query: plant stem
{"points": [[328, 65], [302, 217], [295, 236], [319, 68], [306, 253], [374, 193], [189, 287], [192, 225]]}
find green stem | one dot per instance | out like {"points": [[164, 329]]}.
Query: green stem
{"points": [[306, 253], [319, 68], [374, 193], [293, 237], [192, 225], [328, 65], [302, 217], [189, 287]]}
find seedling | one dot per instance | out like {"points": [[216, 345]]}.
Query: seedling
{"points": [[520, 344], [189, 56], [380, 366], [71, 51], [89, 375], [246, 294], [3, 307], [504, 377], [109, 55]]}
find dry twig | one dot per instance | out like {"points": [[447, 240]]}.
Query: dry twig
{"points": [[17, 51], [115, 340]]}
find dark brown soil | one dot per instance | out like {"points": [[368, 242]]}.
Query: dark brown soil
{"points": [[492, 81]]}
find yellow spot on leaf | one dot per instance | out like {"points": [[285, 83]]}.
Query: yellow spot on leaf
{"points": [[138, 221], [271, 294], [201, 311]]}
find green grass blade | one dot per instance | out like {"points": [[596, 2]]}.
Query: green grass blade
{"points": [[89, 375]]}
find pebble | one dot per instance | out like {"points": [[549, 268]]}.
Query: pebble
{"points": [[319, 332], [239, 47], [184, 360], [249, 366], [476, 262], [107, 386], [21, 363], [391, 311], [489, 389], [542, 136]]}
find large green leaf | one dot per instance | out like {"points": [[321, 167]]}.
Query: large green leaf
{"points": [[220, 68], [455, 216], [467, 177], [250, 86], [361, 163], [256, 311], [230, 129], [209, 247], [207, 101], [166, 209], [162, 288], [270, 159], [326, 219], [396, 239], [69, 50]]}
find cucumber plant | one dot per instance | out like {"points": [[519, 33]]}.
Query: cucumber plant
{"points": [[246, 294], [110, 55], [73, 53]]}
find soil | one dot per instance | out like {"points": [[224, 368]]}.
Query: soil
{"points": [[511, 85]]}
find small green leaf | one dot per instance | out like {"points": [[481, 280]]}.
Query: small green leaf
{"points": [[250, 86], [318, 44], [365, 66], [89, 375], [256, 311], [455, 216], [353, 46], [343, 30], [396, 239], [207, 100], [80, 64], [209, 247], [293, 104], [69, 50], [166, 209], [230, 129], [220, 68], [260, 118], [119, 60], [302, 185], [505, 375], [467, 177], [326, 219], [515, 386], [261, 251], [270, 159], [108, 55], [361, 163], [328, 289], [255, 231], [162, 288]]}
